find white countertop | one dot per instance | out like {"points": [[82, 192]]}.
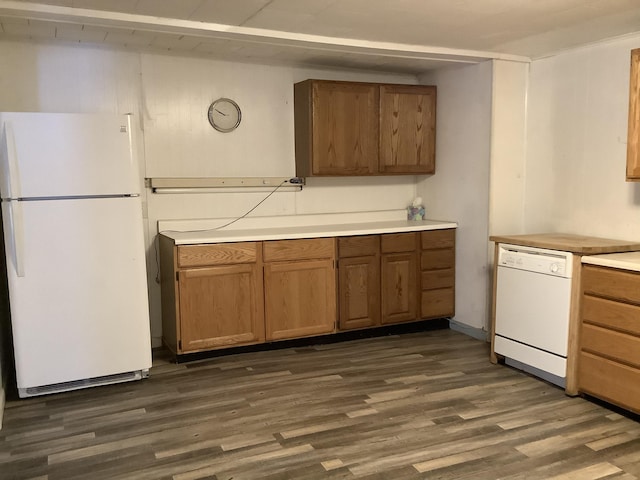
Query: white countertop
{"points": [[281, 232], [624, 261]]}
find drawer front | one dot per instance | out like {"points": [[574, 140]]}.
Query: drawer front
{"points": [[433, 279], [607, 343], [608, 282], [438, 239], [607, 313], [436, 259], [398, 242], [437, 303], [305, 249], [218, 254], [358, 246], [610, 381]]}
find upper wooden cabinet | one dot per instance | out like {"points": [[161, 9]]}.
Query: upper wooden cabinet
{"points": [[407, 129], [633, 135], [350, 128]]}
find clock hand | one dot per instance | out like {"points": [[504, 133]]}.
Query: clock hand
{"points": [[221, 113]]}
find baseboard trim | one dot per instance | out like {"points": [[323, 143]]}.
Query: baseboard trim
{"points": [[477, 333]]}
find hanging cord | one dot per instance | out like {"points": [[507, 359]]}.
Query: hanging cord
{"points": [[250, 210], [155, 245]]}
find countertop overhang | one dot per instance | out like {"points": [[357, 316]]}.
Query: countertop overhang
{"points": [[568, 242], [291, 232], [624, 261]]}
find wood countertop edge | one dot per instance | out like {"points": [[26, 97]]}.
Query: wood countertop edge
{"points": [[577, 244]]}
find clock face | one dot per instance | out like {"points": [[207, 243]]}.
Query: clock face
{"points": [[224, 115]]}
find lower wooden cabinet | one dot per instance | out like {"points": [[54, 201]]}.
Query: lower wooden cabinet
{"points": [[300, 298], [609, 361], [300, 287], [359, 282], [437, 273], [223, 295], [212, 295], [399, 273], [220, 306]]}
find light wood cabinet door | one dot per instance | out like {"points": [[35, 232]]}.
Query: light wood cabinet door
{"points": [[336, 131], [359, 292], [407, 129], [399, 287], [220, 306], [633, 133], [300, 298]]}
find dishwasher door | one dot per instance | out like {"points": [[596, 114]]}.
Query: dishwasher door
{"points": [[533, 300]]}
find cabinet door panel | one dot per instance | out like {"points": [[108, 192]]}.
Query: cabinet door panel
{"points": [[220, 306], [345, 128], [300, 299], [399, 287], [359, 287], [407, 129]]}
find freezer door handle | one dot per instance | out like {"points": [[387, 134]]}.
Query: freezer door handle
{"points": [[16, 233], [12, 170]]}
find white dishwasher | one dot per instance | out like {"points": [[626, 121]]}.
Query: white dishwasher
{"points": [[533, 300]]}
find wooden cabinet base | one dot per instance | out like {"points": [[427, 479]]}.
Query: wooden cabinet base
{"points": [[610, 381]]}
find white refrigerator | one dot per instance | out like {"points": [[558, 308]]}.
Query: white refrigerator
{"points": [[74, 250]]}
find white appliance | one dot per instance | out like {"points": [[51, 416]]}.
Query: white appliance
{"points": [[533, 300], [74, 248]]}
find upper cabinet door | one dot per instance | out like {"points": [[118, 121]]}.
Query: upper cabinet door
{"points": [[407, 129], [633, 137], [336, 128]]}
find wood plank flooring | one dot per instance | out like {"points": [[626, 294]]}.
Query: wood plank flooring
{"points": [[425, 405]]}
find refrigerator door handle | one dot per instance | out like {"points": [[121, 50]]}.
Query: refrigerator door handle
{"points": [[17, 236], [13, 170]]}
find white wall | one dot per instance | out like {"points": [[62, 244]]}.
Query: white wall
{"points": [[170, 96], [576, 145], [460, 189], [508, 143]]}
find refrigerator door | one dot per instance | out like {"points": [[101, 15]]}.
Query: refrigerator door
{"points": [[80, 310], [46, 155]]}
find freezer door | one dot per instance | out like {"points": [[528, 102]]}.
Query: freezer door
{"points": [[61, 154], [80, 310]]}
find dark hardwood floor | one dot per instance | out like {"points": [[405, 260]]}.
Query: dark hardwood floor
{"points": [[424, 405]]}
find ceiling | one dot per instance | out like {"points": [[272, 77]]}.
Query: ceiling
{"points": [[405, 36]]}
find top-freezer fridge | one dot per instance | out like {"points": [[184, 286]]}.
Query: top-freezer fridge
{"points": [[74, 249]]}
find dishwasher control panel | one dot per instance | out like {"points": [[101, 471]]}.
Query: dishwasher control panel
{"points": [[538, 260]]}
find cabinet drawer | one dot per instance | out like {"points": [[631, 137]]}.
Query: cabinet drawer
{"points": [[608, 282], [436, 259], [610, 381], [438, 239], [607, 313], [218, 254], [398, 242], [608, 343], [432, 279], [284, 250], [358, 246], [437, 303]]}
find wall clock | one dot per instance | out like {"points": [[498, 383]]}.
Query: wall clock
{"points": [[224, 115]]}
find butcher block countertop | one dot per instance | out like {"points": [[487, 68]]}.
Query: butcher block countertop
{"points": [[567, 242], [288, 228], [625, 261]]}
